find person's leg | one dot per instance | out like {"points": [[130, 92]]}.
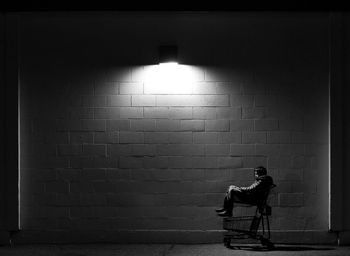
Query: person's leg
{"points": [[228, 202], [240, 197], [225, 204], [226, 199], [233, 196]]}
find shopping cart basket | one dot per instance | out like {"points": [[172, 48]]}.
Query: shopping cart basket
{"points": [[245, 227]]}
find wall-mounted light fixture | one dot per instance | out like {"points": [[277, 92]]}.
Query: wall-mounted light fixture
{"points": [[167, 54]]}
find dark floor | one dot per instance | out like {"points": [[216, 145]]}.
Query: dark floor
{"points": [[169, 250]]}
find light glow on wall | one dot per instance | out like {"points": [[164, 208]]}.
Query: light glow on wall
{"points": [[169, 78]]}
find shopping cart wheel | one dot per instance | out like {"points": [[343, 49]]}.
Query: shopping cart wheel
{"points": [[267, 243], [227, 242]]}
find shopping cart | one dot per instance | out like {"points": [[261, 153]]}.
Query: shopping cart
{"points": [[247, 226]]}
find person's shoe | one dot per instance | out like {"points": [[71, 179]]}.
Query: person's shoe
{"points": [[225, 214], [220, 210]]}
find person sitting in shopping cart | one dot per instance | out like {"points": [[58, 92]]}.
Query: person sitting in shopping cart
{"points": [[248, 195]]}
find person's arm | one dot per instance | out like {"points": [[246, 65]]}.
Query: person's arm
{"points": [[251, 187], [260, 185], [233, 187]]}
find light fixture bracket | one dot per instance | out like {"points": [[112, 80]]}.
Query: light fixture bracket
{"points": [[167, 54]]}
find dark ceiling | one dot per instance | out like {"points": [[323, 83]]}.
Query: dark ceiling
{"points": [[177, 5]]}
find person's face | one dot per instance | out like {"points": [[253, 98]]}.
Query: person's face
{"points": [[256, 174]]}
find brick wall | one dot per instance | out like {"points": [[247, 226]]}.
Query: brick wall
{"points": [[2, 129], [106, 148], [346, 176]]}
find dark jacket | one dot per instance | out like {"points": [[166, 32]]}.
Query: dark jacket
{"points": [[259, 187]]}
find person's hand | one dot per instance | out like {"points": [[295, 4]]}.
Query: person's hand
{"points": [[235, 188], [238, 189]]}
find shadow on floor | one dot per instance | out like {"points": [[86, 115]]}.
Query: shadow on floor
{"points": [[280, 248]]}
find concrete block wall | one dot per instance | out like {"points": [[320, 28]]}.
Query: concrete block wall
{"points": [[107, 150]]}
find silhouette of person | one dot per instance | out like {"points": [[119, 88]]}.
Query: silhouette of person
{"points": [[249, 195]]}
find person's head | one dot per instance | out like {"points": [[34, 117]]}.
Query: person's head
{"points": [[259, 171]]}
